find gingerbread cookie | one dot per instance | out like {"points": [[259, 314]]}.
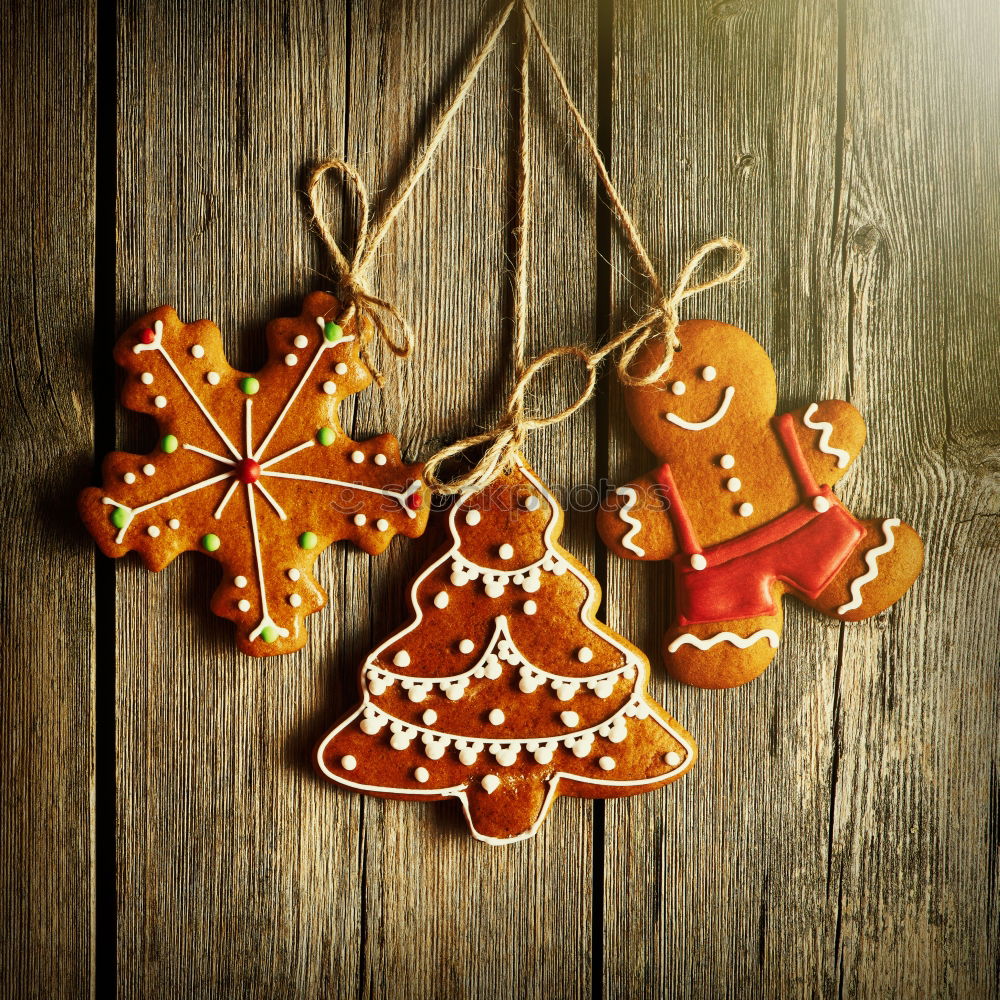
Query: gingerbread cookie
{"points": [[254, 470], [742, 506], [503, 691]]}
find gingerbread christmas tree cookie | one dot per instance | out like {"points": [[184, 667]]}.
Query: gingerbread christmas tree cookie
{"points": [[741, 504], [253, 470], [503, 691]]}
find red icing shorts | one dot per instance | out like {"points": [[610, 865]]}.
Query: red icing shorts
{"points": [[802, 548]]}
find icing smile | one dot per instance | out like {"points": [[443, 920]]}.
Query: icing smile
{"points": [[689, 425]]}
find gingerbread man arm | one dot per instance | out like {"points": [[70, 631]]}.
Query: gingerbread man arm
{"points": [[633, 521], [831, 434]]}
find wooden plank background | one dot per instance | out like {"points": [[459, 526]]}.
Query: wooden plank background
{"points": [[163, 835]]}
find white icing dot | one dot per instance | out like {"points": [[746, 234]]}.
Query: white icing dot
{"points": [[441, 599], [212, 378], [673, 758], [467, 757], [678, 388], [466, 646], [585, 654], [153, 531], [733, 484], [301, 341], [173, 523], [708, 373], [370, 726], [532, 503], [329, 388], [379, 459], [382, 524], [430, 717], [473, 517], [497, 718], [506, 551], [607, 763], [746, 509], [348, 763], [197, 351], [340, 368], [569, 718], [357, 457], [244, 605], [291, 360], [543, 755], [821, 505], [727, 461], [530, 607], [240, 581], [295, 600], [360, 519], [698, 561], [146, 378], [401, 659], [398, 741], [160, 402], [494, 589], [491, 783], [421, 774], [149, 469], [129, 478], [293, 574]]}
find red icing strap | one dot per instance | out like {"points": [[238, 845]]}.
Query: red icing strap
{"points": [[678, 515], [786, 431]]}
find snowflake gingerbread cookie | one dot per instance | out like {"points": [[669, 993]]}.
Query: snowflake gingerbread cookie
{"points": [[742, 506], [254, 470], [503, 691]]}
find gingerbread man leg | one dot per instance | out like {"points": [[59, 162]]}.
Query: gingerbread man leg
{"points": [[878, 572], [723, 654]]}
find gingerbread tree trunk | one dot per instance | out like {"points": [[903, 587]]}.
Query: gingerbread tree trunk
{"points": [[503, 691]]}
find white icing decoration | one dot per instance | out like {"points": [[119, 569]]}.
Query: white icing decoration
{"points": [[330, 388], [585, 654], [153, 531], [466, 646], [379, 459], [340, 368], [570, 719], [301, 341], [673, 758], [678, 388], [159, 402], [441, 599], [733, 484], [348, 763], [291, 360], [607, 763], [625, 513], [727, 461], [532, 503], [529, 607], [871, 560], [421, 774], [821, 505], [826, 429], [473, 517], [212, 378], [295, 600], [708, 373], [382, 524], [240, 582], [497, 718], [467, 757], [543, 755], [197, 351], [430, 717], [700, 425], [244, 605], [146, 378], [506, 551], [490, 783], [401, 659], [173, 523], [357, 457], [742, 643], [746, 509], [129, 478], [360, 520], [698, 561], [494, 589], [293, 574]]}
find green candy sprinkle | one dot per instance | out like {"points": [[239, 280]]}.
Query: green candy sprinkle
{"points": [[308, 540], [210, 543], [325, 435], [169, 444], [119, 517], [250, 385], [332, 332], [269, 634]]}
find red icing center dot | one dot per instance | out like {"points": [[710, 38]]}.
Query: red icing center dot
{"points": [[247, 471], [415, 501], [147, 336]]}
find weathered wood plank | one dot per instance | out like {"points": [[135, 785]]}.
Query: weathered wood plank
{"points": [[46, 684]]}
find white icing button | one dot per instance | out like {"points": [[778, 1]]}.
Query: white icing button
{"points": [[348, 763], [673, 758], [173, 523], [244, 605], [698, 561], [146, 378], [329, 388], [733, 484], [530, 607], [401, 659], [746, 509], [212, 378], [340, 368], [585, 654], [441, 599], [496, 717], [494, 590], [821, 505], [197, 351], [382, 524], [678, 388], [473, 517], [466, 646], [160, 402], [506, 551], [708, 373], [532, 503], [491, 783], [379, 459], [467, 757], [607, 763], [295, 600], [360, 519], [149, 469], [543, 756], [727, 461], [357, 457], [153, 531], [301, 341], [129, 477], [293, 574], [421, 774], [291, 360], [240, 581], [430, 717], [569, 718]]}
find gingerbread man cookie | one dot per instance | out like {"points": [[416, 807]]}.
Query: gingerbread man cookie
{"points": [[254, 470], [503, 691], [741, 504]]}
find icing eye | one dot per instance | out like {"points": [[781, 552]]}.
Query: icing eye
{"points": [[678, 388], [708, 373]]}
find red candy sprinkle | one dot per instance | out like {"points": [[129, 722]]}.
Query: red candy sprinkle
{"points": [[415, 501], [248, 471], [147, 336]]}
